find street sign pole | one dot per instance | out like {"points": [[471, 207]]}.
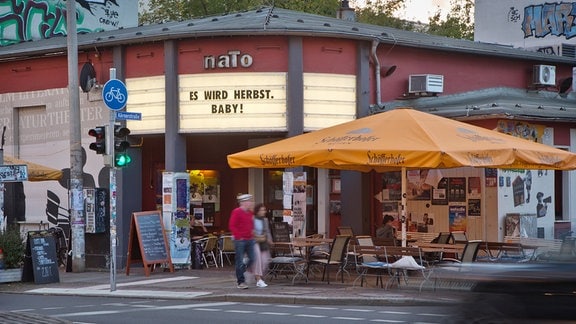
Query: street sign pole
{"points": [[115, 96], [112, 191]]}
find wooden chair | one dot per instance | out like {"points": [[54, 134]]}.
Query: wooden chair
{"points": [[336, 257]]}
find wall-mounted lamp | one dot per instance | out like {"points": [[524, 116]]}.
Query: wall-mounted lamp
{"points": [[141, 55], [387, 71], [565, 85], [332, 49], [22, 69]]}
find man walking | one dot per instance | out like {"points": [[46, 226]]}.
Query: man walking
{"points": [[241, 225]]}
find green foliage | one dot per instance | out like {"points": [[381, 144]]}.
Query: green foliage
{"points": [[176, 10], [12, 246], [382, 13], [459, 23]]}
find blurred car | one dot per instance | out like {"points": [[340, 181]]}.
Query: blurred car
{"points": [[518, 293]]}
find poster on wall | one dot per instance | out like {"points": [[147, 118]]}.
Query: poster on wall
{"points": [[474, 187], [457, 218], [299, 204], [490, 177], [418, 188], [440, 193], [474, 207], [457, 189], [391, 185]]}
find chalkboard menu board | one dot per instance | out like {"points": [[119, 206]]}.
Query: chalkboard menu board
{"points": [[147, 242], [281, 232], [41, 262]]}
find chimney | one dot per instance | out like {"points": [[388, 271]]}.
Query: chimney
{"points": [[345, 12]]}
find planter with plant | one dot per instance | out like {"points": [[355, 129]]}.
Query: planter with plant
{"points": [[12, 246]]}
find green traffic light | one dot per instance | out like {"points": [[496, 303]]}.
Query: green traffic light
{"points": [[122, 160]]}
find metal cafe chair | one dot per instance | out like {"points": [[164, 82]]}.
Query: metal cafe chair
{"points": [[209, 245], [336, 257], [226, 249]]}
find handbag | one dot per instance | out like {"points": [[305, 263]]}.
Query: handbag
{"points": [[260, 238]]}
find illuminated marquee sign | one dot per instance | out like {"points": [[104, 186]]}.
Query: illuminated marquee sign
{"points": [[233, 102]]}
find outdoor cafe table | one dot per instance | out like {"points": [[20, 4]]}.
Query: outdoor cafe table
{"points": [[305, 246], [441, 249]]}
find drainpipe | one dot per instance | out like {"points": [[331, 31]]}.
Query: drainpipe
{"points": [[379, 105]]}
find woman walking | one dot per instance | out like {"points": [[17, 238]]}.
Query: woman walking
{"points": [[263, 239]]}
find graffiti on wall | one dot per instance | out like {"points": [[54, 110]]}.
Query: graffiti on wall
{"points": [[25, 20], [557, 19]]}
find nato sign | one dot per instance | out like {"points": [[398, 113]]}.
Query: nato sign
{"points": [[115, 94]]}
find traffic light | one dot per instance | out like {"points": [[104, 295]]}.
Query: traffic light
{"points": [[99, 133], [121, 157]]}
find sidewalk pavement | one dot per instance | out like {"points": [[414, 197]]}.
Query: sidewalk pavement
{"points": [[219, 284]]}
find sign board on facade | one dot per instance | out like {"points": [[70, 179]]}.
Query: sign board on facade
{"points": [[13, 173]]}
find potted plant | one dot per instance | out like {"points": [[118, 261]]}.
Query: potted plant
{"points": [[12, 247]]}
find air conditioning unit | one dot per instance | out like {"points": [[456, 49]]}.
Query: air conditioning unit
{"points": [[426, 83], [544, 75]]}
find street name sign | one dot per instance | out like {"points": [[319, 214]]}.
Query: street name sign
{"points": [[122, 115]]}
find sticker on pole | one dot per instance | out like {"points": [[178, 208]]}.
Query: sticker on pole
{"points": [[13, 173], [115, 94]]}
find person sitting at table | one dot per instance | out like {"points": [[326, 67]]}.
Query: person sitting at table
{"points": [[387, 231], [198, 229]]}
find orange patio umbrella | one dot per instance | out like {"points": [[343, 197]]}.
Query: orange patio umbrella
{"points": [[403, 139]]}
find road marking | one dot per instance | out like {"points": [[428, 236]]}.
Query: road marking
{"points": [[310, 315], [289, 306], [396, 313], [239, 311], [52, 308], [386, 321], [143, 306], [119, 293], [276, 314], [358, 310], [186, 306], [143, 282], [348, 318], [208, 309], [90, 313], [432, 314], [323, 308]]}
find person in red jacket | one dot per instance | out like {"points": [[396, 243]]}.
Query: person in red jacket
{"points": [[241, 225]]}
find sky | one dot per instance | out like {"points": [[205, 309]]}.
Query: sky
{"points": [[420, 10]]}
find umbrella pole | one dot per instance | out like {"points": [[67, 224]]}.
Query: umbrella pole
{"points": [[403, 210]]}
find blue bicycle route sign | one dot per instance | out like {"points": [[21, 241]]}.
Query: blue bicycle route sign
{"points": [[115, 94]]}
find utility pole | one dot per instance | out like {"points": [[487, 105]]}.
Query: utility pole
{"points": [[77, 220]]}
